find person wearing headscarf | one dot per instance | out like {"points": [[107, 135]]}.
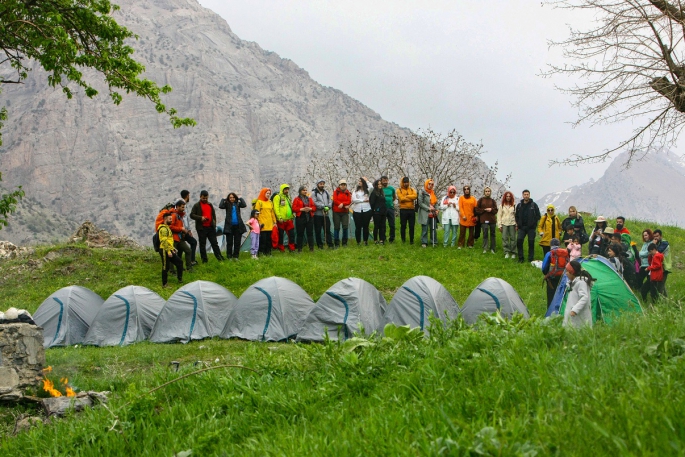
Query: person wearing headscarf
{"points": [[267, 219], [450, 215], [506, 222], [304, 209], [428, 214], [486, 211], [467, 217], [549, 228]]}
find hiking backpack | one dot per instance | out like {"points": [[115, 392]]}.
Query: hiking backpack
{"points": [[156, 244], [558, 260]]}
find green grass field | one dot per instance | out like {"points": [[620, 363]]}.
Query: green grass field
{"points": [[503, 388]]}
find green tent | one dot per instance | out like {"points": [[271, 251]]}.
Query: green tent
{"points": [[611, 296]]}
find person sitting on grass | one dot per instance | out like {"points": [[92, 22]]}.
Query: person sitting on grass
{"points": [[578, 312], [614, 254], [167, 251], [656, 273]]}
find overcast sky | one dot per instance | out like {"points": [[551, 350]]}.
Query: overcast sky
{"points": [[468, 65]]}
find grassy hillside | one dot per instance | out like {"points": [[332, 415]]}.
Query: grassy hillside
{"points": [[521, 388]]}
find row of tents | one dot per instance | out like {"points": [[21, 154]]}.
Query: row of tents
{"points": [[276, 309], [273, 309]]}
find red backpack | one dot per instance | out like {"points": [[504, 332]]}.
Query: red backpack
{"points": [[558, 260]]}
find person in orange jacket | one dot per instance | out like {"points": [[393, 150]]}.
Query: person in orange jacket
{"points": [[467, 217]]}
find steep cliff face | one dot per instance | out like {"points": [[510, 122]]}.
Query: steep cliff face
{"points": [[259, 118], [651, 189]]}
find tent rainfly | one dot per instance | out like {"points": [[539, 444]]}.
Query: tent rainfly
{"points": [[126, 317], [416, 299], [273, 309], [349, 306], [66, 315], [195, 311], [610, 295], [490, 296]]}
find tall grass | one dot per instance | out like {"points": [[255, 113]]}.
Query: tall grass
{"points": [[501, 388]]}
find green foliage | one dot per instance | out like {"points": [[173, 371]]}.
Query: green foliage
{"points": [[8, 202], [65, 36], [502, 387]]}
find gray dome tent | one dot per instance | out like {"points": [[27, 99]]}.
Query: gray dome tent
{"points": [[490, 296], [416, 299], [273, 309], [344, 309], [66, 315], [126, 317], [195, 311]]}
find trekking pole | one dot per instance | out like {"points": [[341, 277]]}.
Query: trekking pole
{"points": [[326, 228]]}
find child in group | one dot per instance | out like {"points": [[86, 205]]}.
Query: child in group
{"points": [[614, 253], [574, 248], [568, 236], [656, 272], [255, 228]]}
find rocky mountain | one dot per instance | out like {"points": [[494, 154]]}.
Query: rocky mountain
{"points": [[651, 189]]}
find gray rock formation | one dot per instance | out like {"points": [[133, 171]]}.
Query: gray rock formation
{"points": [[259, 119], [650, 190], [22, 358]]}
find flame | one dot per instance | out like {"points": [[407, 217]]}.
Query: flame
{"points": [[47, 370], [64, 380], [49, 387], [70, 392]]}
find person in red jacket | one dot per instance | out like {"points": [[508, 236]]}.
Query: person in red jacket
{"points": [[656, 273], [304, 208], [342, 199]]}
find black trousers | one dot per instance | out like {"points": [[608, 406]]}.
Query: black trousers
{"points": [[520, 236], [390, 215], [407, 217], [304, 224], [545, 250], [323, 224], [183, 249], [361, 226], [208, 233], [233, 239], [265, 241], [174, 260], [379, 227], [554, 281], [193, 246]]}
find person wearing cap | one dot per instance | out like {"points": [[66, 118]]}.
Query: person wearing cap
{"points": [[304, 209], [342, 199], [549, 228], [180, 232], [596, 236], [407, 196], [322, 222], [605, 242], [390, 197], [205, 224], [578, 311], [233, 224], [284, 218], [527, 217], [167, 251]]}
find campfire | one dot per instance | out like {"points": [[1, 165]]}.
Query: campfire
{"points": [[49, 386]]}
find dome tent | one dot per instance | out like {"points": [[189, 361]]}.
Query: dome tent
{"points": [[66, 315], [195, 311], [610, 295], [345, 308], [416, 299], [490, 296], [273, 309], [126, 317]]}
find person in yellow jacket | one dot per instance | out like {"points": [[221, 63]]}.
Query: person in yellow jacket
{"points": [[167, 251], [267, 219], [467, 217], [407, 196], [549, 228], [284, 218]]}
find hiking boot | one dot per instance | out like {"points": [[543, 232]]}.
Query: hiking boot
{"points": [[492, 251]]}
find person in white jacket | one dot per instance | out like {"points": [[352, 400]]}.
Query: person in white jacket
{"points": [[361, 211], [450, 215], [578, 312]]}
